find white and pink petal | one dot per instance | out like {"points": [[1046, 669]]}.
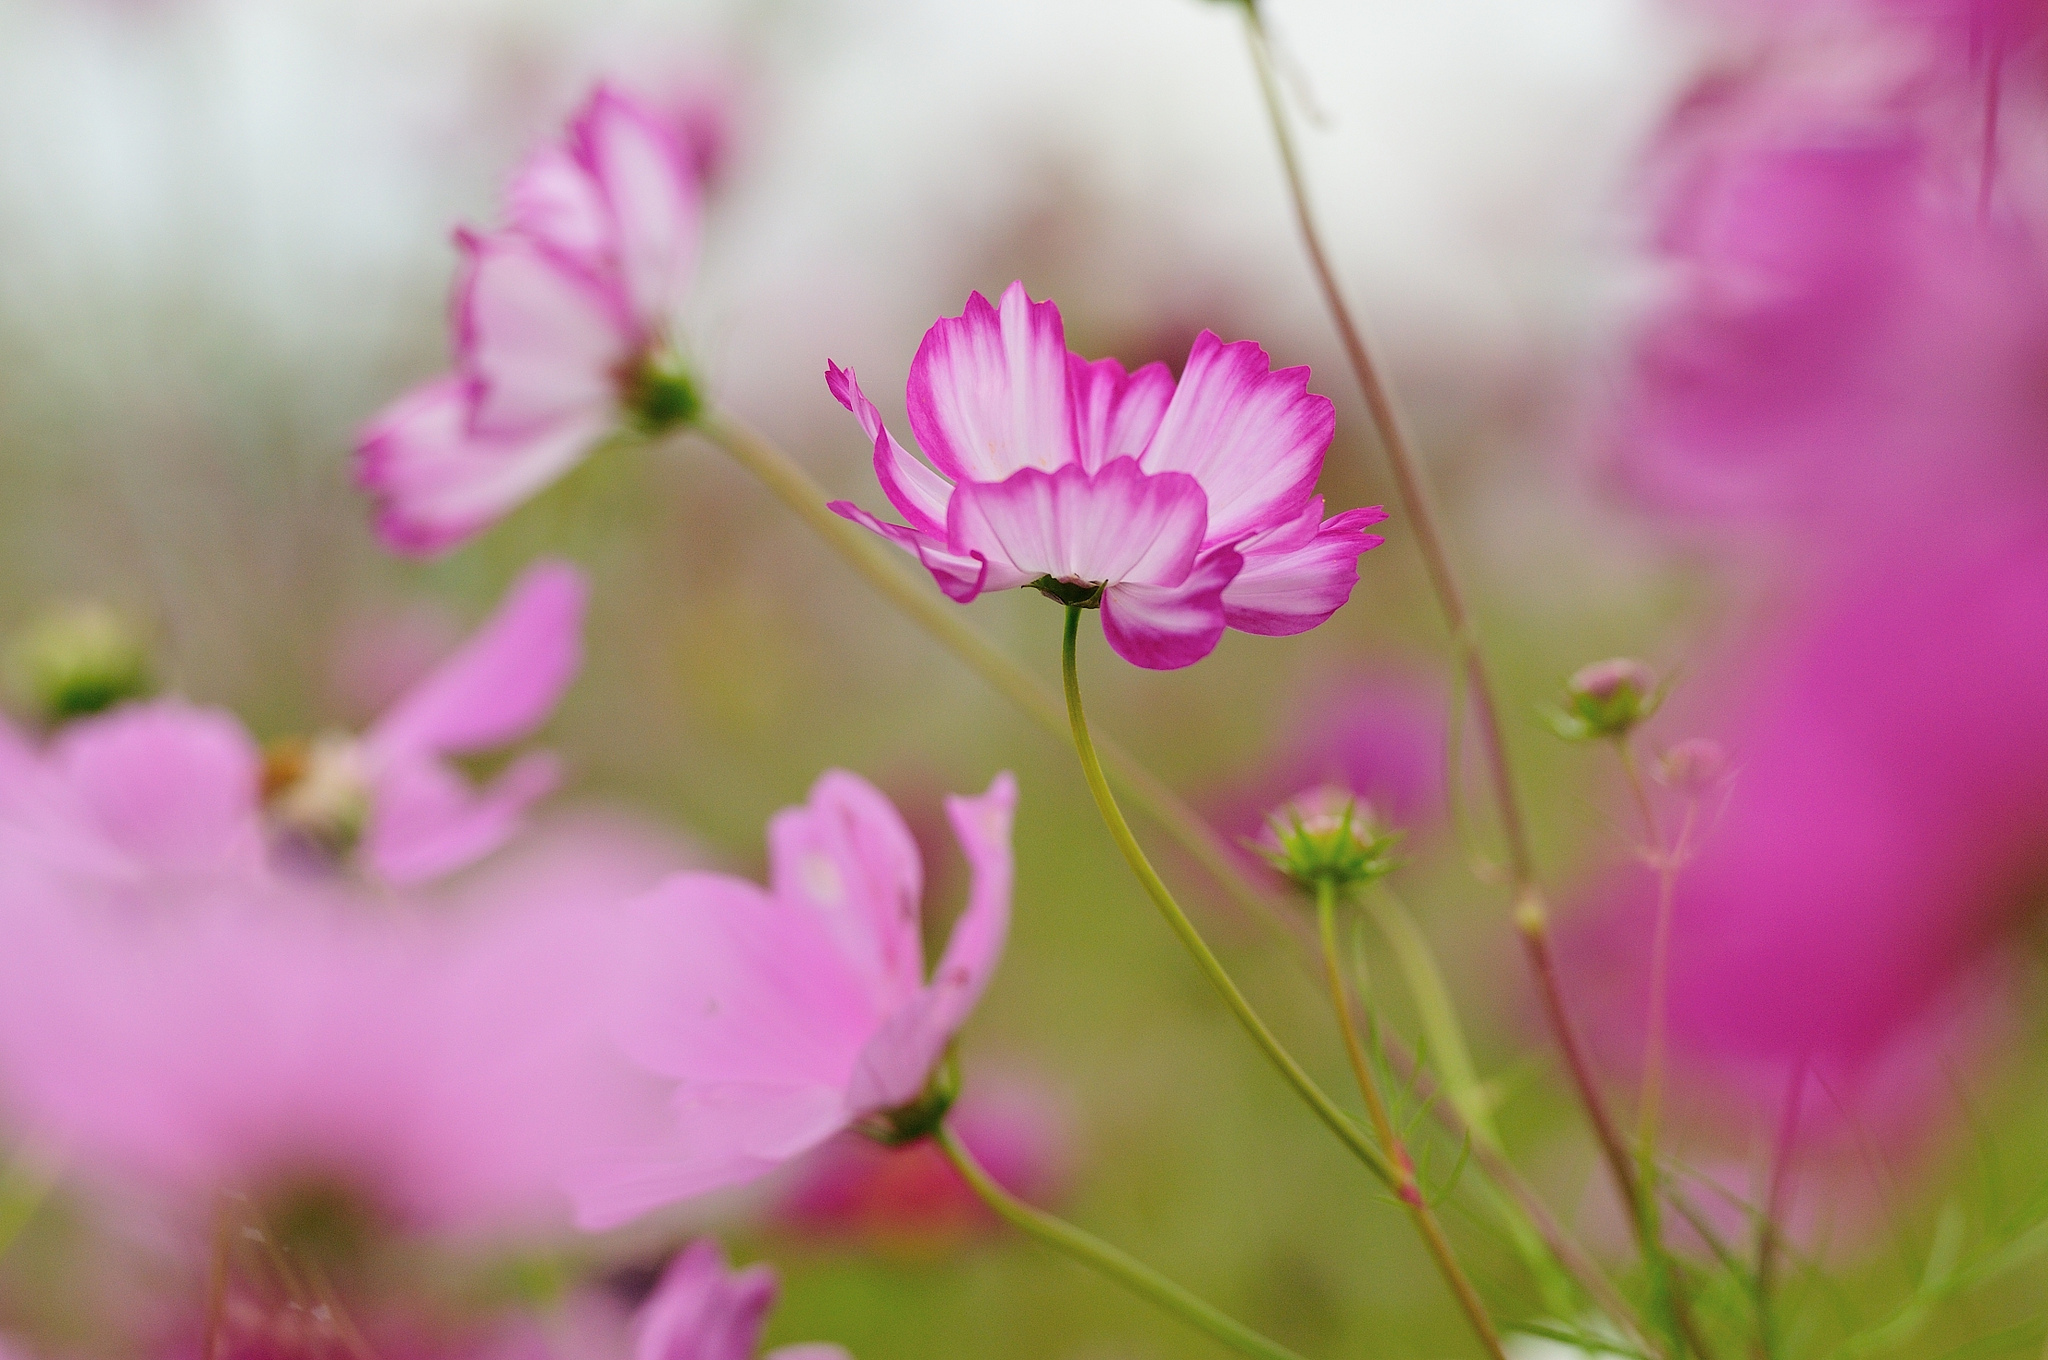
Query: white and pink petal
{"points": [[918, 493], [1163, 628], [988, 390], [1253, 437], [1117, 525], [1291, 589], [541, 338], [648, 178], [1115, 413], [847, 855]]}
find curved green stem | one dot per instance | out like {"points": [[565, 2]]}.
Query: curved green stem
{"points": [[1106, 1260], [1339, 1123]]}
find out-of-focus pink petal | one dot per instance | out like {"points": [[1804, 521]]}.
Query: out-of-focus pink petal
{"points": [[1293, 590], [988, 390], [1253, 437], [554, 200], [436, 482], [1119, 524], [649, 182], [426, 820], [703, 1310], [809, 1350], [541, 338], [505, 681], [961, 576], [1163, 628], [847, 855], [918, 493], [1115, 414], [898, 1061], [742, 988], [171, 788]]}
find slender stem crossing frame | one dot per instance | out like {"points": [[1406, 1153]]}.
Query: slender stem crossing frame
{"points": [[1105, 1259]]}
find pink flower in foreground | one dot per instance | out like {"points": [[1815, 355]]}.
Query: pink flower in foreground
{"points": [[417, 815], [704, 1310], [1180, 509], [788, 1014], [565, 327]]}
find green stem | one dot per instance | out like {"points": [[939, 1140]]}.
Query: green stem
{"points": [[1407, 1188], [1106, 1260], [1339, 1123]]}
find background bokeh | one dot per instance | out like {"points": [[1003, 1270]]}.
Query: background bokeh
{"points": [[224, 242]]}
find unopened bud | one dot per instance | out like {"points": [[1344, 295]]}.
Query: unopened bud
{"points": [[78, 661], [1693, 766], [1327, 836], [660, 393], [318, 789], [1607, 699]]}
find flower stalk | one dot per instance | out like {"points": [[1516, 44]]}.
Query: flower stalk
{"points": [[1531, 913], [1105, 1259], [1407, 1188], [1162, 897]]}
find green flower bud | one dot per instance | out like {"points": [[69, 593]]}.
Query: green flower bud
{"points": [[78, 661], [1327, 836], [1607, 700]]}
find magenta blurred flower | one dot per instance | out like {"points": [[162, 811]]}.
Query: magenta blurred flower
{"points": [[910, 1198], [705, 1310], [417, 816], [565, 330], [788, 1014], [1179, 509], [425, 1064]]}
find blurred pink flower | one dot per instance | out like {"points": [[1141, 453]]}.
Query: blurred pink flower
{"points": [[785, 1015], [564, 326], [704, 1310], [911, 1197], [432, 1063], [1191, 506]]}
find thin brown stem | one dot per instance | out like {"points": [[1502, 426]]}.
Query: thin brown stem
{"points": [[210, 1335], [1532, 917], [1406, 1187]]}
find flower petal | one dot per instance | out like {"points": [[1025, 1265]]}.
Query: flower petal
{"points": [[704, 1310], [988, 390], [1115, 414], [1253, 437], [554, 200], [918, 493], [847, 856], [426, 820], [961, 576], [898, 1060], [502, 683], [542, 338], [649, 181], [1119, 524], [1291, 590], [1163, 628], [436, 483]]}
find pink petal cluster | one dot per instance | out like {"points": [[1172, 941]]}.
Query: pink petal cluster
{"points": [[1192, 504], [564, 327], [784, 1015]]}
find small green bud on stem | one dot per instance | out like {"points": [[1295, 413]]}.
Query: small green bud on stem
{"points": [[78, 661]]}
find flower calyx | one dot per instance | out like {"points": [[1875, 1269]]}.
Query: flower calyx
{"points": [[920, 1119], [1328, 837], [1073, 594], [1607, 700], [77, 661], [660, 393]]}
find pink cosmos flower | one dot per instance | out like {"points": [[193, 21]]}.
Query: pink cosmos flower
{"points": [[565, 328], [1182, 508], [786, 1015], [704, 1310]]}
